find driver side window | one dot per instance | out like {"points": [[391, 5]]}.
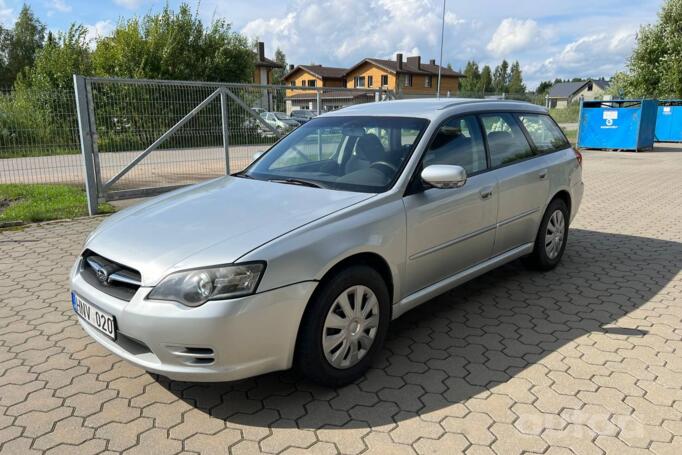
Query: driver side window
{"points": [[458, 142]]}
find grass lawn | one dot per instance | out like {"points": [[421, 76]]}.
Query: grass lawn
{"points": [[31, 203], [572, 136], [568, 114]]}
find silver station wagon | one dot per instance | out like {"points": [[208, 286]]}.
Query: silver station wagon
{"points": [[305, 257]]}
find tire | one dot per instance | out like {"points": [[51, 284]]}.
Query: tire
{"points": [[325, 309], [545, 257]]}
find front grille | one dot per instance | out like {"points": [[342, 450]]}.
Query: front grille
{"points": [[109, 277]]}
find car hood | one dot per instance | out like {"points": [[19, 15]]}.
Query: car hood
{"points": [[210, 224]]}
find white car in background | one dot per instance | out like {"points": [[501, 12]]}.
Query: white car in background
{"points": [[279, 120]]}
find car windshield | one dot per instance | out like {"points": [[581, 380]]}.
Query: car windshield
{"points": [[302, 114], [281, 116], [363, 154]]}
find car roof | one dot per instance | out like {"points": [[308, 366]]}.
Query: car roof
{"points": [[433, 108]]}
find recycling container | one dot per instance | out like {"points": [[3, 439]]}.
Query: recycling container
{"points": [[669, 121], [617, 124]]}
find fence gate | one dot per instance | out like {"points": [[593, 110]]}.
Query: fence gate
{"points": [[143, 137]]}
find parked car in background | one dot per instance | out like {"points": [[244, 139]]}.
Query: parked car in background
{"points": [[302, 115], [306, 256], [280, 120]]}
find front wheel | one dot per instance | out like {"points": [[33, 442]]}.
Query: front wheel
{"points": [[550, 241], [345, 327]]}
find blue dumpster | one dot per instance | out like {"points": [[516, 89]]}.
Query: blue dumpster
{"points": [[669, 121], [617, 124]]}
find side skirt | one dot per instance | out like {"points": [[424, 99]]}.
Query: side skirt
{"points": [[423, 295]]}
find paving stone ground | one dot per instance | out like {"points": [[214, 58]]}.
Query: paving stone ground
{"points": [[586, 359]]}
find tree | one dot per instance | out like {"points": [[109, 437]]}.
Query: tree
{"points": [[516, 85], [64, 55], [472, 77], [501, 77], [619, 85], [171, 45], [543, 87], [656, 62], [486, 83], [21, 45], [278, 73]]}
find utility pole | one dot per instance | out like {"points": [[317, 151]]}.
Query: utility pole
{"points": [[440, 63]]}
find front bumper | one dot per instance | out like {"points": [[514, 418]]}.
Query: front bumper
{"points": [[218, 341]]}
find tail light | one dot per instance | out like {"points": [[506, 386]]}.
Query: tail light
{"points": [[578, 157]]}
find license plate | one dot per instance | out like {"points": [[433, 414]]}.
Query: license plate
{"points": [[104, 322]]}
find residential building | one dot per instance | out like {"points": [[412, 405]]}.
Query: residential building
{"points": [[262, 73], [564, 93], [318, 76], [407, 78]]}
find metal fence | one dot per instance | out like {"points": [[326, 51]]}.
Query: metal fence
{"points": [[124, 138], [39, 137], [141, 137]]}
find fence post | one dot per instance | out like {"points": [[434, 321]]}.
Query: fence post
{"points": [[318, 99], [85, 132], [377, 97], [226, 131]]}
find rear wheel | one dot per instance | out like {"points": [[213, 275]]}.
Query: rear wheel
{"points": [[550, 241], [344, 327]]}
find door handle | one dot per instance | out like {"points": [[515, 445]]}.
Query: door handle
{"points": [[542, 174], [486, 193]]}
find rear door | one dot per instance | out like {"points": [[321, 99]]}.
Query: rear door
{"points": [[522, 178]]}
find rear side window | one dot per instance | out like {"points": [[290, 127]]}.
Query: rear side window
{"points": [[506, 141], [544, 133]]}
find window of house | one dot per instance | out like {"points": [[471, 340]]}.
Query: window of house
{"points": [[292, 83], [427, 81], [312, 83], [506, 141], [544, 133], [370, 81], [458, 142], [407, 80], [589, 87], [359, 81], [384, 80]]}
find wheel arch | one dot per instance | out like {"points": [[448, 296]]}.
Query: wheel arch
{"points": [[565, 196], [367, 258]]}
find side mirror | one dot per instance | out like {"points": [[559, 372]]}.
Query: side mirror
{"points": [[258, 155], [444, 176]]}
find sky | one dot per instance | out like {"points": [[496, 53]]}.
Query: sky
{"points": [[550, 38]]}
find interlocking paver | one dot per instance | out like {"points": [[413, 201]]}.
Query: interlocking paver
{"points": [[584, 359]]}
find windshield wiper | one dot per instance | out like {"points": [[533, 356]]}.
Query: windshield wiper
{"points": [[242, 174], [294, 181]]}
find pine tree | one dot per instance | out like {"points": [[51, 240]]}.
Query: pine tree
{"points": [[486, 82], [516, 85], [501, 77]]}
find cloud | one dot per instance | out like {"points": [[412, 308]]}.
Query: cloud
{"points": [[514, 35], [98, 30], [596, 55], [59, 5], [130, 4], [6, 13], [342, 33]]}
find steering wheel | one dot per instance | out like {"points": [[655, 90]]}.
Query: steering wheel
{"points": [[390, 166]]}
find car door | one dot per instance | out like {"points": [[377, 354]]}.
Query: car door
{"points": [[522, 179], [449, 230]]}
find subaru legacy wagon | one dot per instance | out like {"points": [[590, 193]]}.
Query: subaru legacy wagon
{"points": [[305, 257]]}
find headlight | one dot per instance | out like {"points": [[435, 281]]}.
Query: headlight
{"points": [[195, 287]]}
